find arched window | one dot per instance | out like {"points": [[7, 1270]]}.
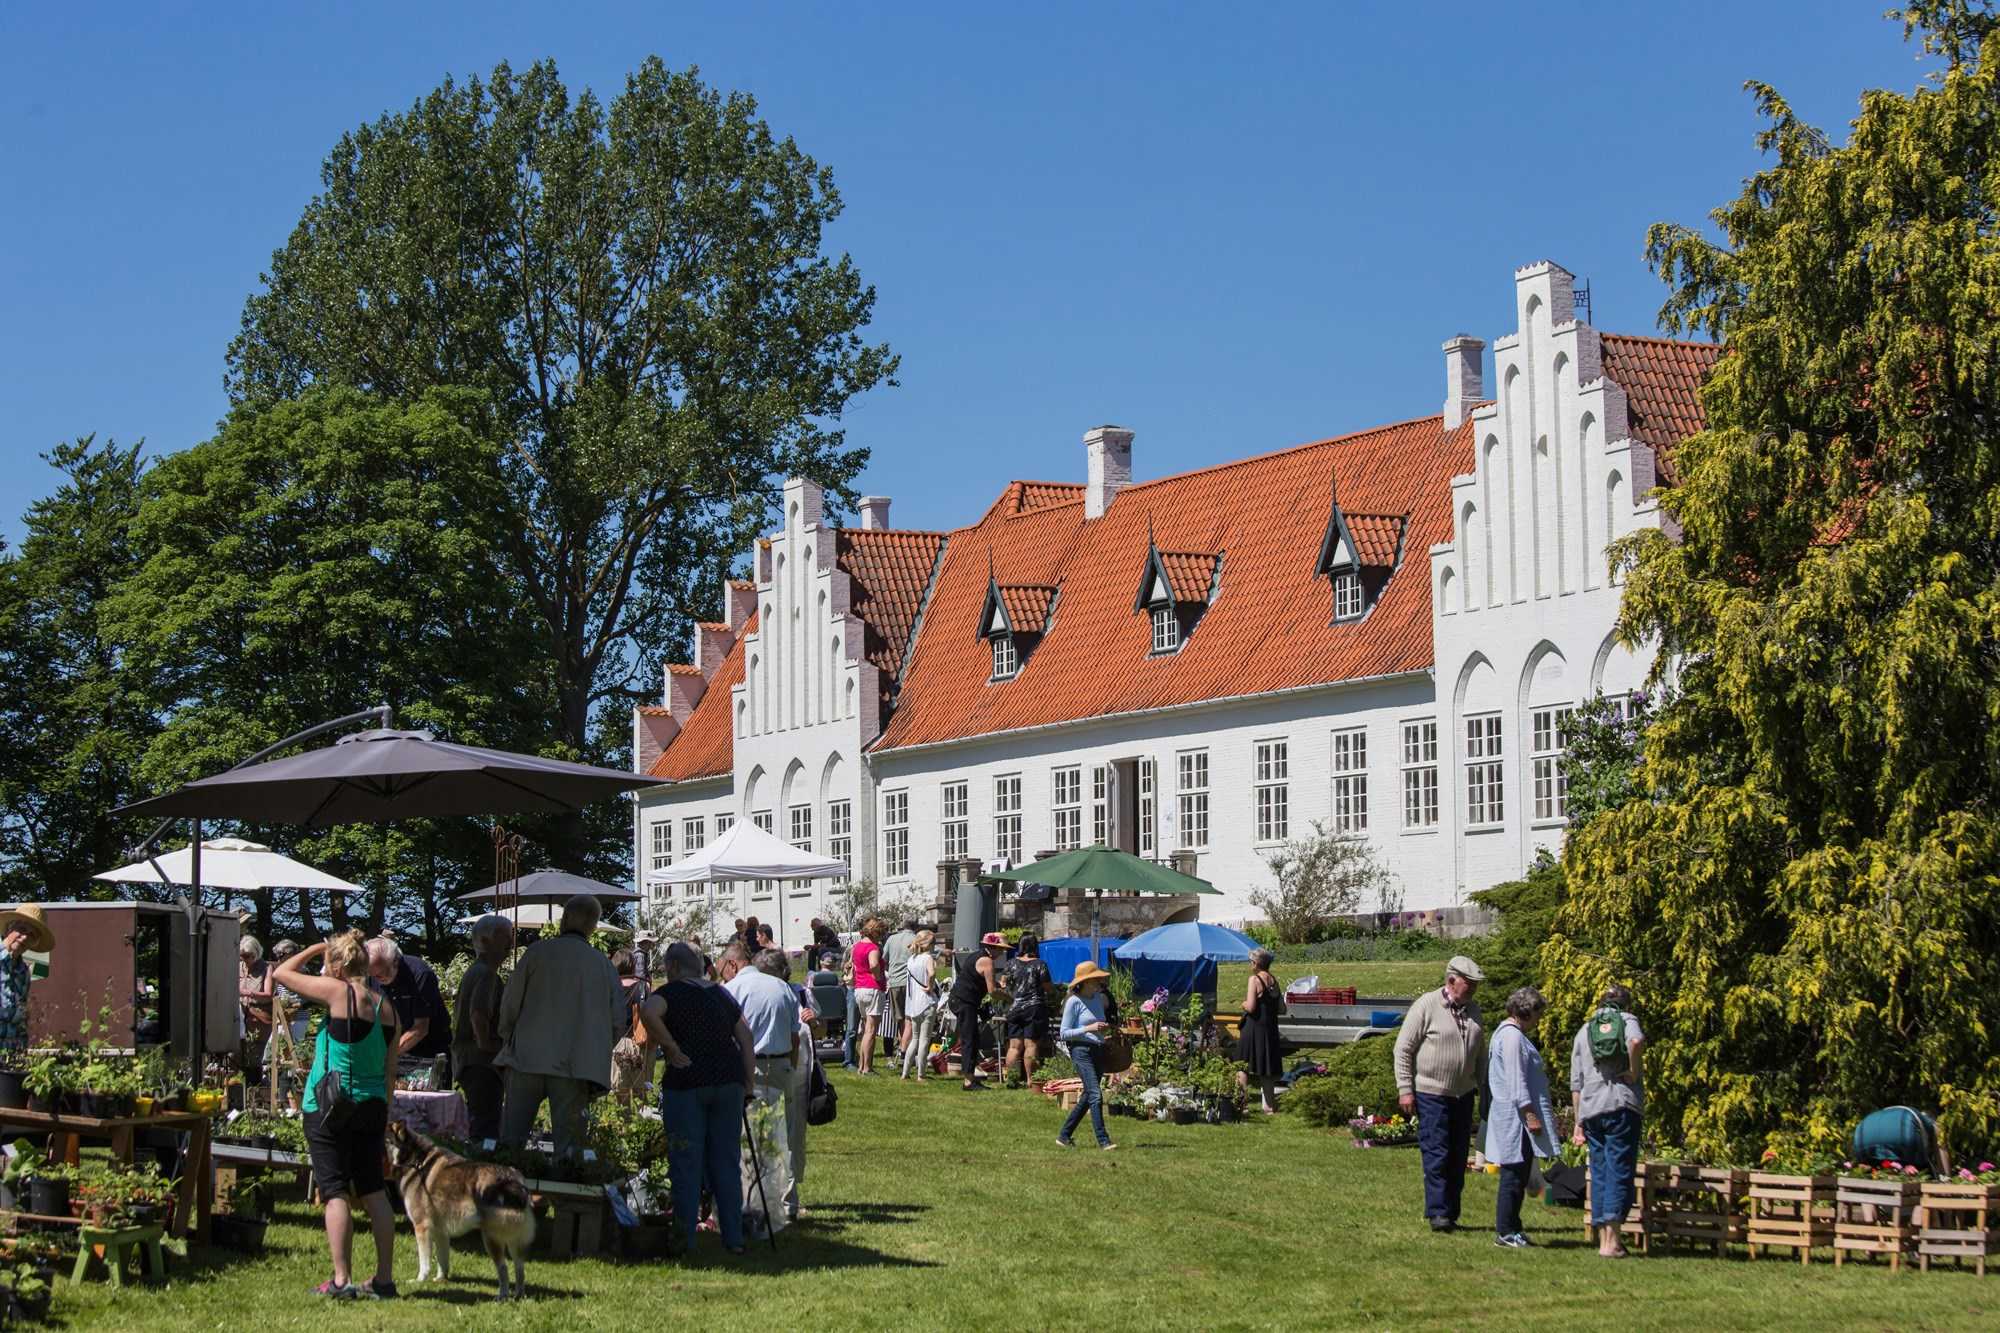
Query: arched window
{"points": [[1614, 501], [1473, 553], [1447, 591]]}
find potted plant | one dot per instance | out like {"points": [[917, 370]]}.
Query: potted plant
{"points": [[14, 1178], [13, 1080], [27, 1291], [46, 1079], [48, 1189], [1960, 1218]]}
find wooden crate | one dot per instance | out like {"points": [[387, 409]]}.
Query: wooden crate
{"points": [[1790, 1212], [1958, 1222], [1633, 1232], [1703, 1205], [1875, 1217]]}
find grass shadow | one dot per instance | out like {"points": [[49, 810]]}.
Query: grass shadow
{"points": [[863, 1214]]}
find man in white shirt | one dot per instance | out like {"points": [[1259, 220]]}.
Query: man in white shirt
{"points": [[771, 1010]]}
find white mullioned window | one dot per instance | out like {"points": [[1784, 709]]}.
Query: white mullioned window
{"points": [[1067, 791], [895, 834], [1485, 784], [1166, 629], [1420, 774], [694, 836], [723, 823], [1346, 596], [761, 888], [1148, 810], [956, 826], [1191, 767], [1550, 738], [1006, 660], [840, 831], [1273, 774], [1007, 818], [1100, 805], [1350, 782], [799, 818], [663, 844]]}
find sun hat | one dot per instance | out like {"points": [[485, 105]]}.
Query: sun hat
{"points": [[993, 939], [1088, 971], [645, 937], [1465, 967], [27, 918]]}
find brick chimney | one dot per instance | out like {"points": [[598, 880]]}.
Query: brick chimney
{"points": [[653, 730], [1108, 453], [740, 603], [712, 643], [874, 512], [685, 686], [1463, 383]]}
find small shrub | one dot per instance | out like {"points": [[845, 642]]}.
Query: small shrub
{"points": [[1360, 1075]]}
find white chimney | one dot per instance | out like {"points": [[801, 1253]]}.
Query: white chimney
{"points": [[874, 512], [1462, 378], [1108, 450]]}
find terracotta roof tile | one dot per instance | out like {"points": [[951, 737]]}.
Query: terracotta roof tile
{"points": [[1042, 494], [683, 669], [653, 710], [1271, 632], [743, 585], [1190, 574], [1376, 537], [703, 748], [889, 570], [1027, 607], [1662, 382]]}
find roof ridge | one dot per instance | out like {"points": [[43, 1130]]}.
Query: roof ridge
{"points": [[1655, 338], [1288, 449], [894, 532]]}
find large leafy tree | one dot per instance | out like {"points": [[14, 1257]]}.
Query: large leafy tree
{"points": [[1807, 895], [319, 556], [638, 292], [72, 722]]}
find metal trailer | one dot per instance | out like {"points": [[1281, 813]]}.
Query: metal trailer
{"points": [[1307, 1024]]}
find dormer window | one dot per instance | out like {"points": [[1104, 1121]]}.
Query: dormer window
{"points": [[1006, 658], [1175, 587], [1347, 599], [1013, 621], [1166, 629]]}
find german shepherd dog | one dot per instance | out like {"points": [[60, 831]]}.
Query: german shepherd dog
{"points": [[447, 1196]]}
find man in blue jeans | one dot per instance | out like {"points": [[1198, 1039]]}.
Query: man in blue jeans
{"points": [[1440, 1058], [1610, 1099]]}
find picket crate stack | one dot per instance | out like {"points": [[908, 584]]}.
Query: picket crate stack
{"points": [[1703, 1205], [1958, 1222], [1790, 1212], [1875, 1217]]}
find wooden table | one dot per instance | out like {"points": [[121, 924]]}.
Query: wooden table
{"points": [[197, 1191]]}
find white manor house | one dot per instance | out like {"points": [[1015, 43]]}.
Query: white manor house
{"points": [[1380, 631]]}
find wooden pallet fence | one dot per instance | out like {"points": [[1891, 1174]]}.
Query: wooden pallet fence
{"points": [[1703, 1205], [1790, 1212], [1633, 1232], [1875, 1217], [1958, 1222]]}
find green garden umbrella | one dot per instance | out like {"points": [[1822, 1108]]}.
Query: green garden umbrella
{"points": [[1104, 869]]}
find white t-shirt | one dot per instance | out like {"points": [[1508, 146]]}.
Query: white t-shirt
{"points": [[923, 967]]}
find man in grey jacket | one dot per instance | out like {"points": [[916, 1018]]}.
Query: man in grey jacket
{"points": [[1440, 1058], [562, 1012]]}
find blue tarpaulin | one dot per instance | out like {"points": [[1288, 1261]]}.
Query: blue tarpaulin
{"points": [[1063, 956], [1177, 976]]}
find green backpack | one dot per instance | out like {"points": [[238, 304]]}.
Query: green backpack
{"points": [[1607, 1035]]}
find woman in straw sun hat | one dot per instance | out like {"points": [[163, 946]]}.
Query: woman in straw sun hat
{"points": [[21, 930], [1084, 1023]]}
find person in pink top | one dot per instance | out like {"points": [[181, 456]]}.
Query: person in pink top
{"points": [[870, 973]]}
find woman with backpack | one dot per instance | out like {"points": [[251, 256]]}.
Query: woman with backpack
{"points": [[1606, 1086]]}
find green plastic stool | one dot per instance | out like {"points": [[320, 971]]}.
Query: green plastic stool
{"points": [[118, 1246]]}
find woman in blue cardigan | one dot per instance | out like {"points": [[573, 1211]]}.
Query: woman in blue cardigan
{"points": [[1521, 1125], [1084, 1023]]}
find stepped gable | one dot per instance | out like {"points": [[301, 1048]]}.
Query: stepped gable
{"points": [[704, 748], [1269, 626], [1662, 383]]}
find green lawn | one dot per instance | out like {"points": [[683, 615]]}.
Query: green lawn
{"points": [[934, 1205], [1368, 978]]}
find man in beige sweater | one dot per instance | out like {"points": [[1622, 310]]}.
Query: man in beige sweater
{"points": [[1440, 1062]]}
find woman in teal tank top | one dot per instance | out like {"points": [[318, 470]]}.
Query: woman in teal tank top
{"points": [[353, 1045]]}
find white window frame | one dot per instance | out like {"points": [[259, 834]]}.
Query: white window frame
{"points": [[762, 888], [1149, 809], [1349, 767], [1271, 775], [896, 834], [1166, 630], [1347, 599], [1007, 818], [1191, 798], [724, 822], [1548, 730], [1485, 772], [799, 825], [663, 843], [1100, 805], [955, 828], [1006, 657], [840, 831], [1066, 806], [1420, 775]]}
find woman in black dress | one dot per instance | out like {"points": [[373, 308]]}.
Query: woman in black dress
{"points": [[972, 981], [1263, 1006]]}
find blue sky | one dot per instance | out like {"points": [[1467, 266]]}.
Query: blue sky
{"points": [[1231, 228]]}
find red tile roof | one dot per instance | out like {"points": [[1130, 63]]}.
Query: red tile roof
{"points": [[1376, 537], [654, 710], [1271, 632], [1042, 494], [1662, 383], [888, 571], [1027, 607], [1190, 574], [704, 746]]}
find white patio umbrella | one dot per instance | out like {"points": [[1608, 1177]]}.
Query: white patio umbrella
{"points": [[230, 863], [748, 852], [538, 915]]}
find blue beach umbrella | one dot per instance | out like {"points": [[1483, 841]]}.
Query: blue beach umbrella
{"points": [[1187, 941]]}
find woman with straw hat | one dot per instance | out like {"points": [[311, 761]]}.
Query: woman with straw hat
{"points": [[20, 930], [1084, 1023]]}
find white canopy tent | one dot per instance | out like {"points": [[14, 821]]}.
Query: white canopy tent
{"points": [[539, 916], [748, 852], [230, 864]]}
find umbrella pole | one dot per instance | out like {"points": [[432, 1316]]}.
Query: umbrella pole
{"points": [[197, 959]]}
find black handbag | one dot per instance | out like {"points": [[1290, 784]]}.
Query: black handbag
{"points": [[822, 1102], [336, 1105]]}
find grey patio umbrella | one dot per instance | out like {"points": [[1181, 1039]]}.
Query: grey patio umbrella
{"points": [[549, 886], [372, 777]]}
